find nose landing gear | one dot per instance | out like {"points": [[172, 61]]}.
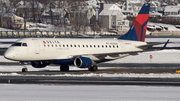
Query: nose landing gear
{"points": [[25, 67]]}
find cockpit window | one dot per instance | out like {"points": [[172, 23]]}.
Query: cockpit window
{"points": [[20, 44], [17, 44], [24, 44]]}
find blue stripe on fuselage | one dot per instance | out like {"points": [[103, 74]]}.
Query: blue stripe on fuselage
{"points": [[63, 61]]}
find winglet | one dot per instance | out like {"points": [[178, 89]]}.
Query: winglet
{"points": [[165, 45], [137, 32]]}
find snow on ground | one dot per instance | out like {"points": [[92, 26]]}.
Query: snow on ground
{"points": [[128, 75], [87, 93], [4, 29], [6, 68], [44, 27], [164, 56], [171, 28], [9, 39], [5, 45]]}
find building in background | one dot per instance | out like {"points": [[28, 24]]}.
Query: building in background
{"points": [[132, 7], [11, 21], [29, 9], [111, 17], [172, 10]]}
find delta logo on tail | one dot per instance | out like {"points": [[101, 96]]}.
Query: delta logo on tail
{"points": [[137, 32]]}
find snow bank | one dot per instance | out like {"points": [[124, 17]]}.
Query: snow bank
{"points": [[129, 75]]}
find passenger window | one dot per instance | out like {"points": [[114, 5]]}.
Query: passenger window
{"points": [[78, 45], [44, 45], [106, 46], [63, 45], [98, 46], [59, 45], [117, 46], [102, 46], [83, 45], [24, 44], [90, 45], [94, 46], [109, 46], [74, 45], [86, 45], [71, 45], [67, 45]]}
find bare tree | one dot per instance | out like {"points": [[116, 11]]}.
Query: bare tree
{"points": [[94, 25], [75, 23], [51, 13], [85, 24], [8, 7], [100, 24], [33, 10], [78, 19]]}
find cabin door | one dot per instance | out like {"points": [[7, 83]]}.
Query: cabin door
{"points": [[37, 46]]}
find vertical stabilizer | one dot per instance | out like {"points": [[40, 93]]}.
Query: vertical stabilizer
{"points": [[137, 32]]}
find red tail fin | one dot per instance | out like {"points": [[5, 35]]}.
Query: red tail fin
{"points": [[137, 32]]}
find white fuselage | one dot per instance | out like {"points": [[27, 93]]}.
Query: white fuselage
{"points": [[38, 49]]}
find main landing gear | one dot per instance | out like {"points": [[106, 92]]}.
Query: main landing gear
{"points": [[93, 68], [64, 67]]}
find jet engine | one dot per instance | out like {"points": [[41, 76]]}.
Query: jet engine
{"points": [[83, 62], [39, 64]]}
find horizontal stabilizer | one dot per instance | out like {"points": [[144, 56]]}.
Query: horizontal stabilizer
{"points": [[149, 45]]}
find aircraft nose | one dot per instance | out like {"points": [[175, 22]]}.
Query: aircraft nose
{"points": [[8, 55]]}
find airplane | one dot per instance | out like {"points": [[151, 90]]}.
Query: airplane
{"points": [[82, 52]]}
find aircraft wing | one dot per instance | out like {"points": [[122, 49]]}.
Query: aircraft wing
{"points": [[116, 53], [105, 54]]}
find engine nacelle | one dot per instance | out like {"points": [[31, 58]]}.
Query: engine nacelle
{"points": [[83, 62], [38, 64]]}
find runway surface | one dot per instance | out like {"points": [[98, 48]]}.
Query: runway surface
{"points": [[74, 77]]}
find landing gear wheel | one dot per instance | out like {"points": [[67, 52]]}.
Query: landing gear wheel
{"points": [[24, 69], [64, 68], [93, 68]]}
